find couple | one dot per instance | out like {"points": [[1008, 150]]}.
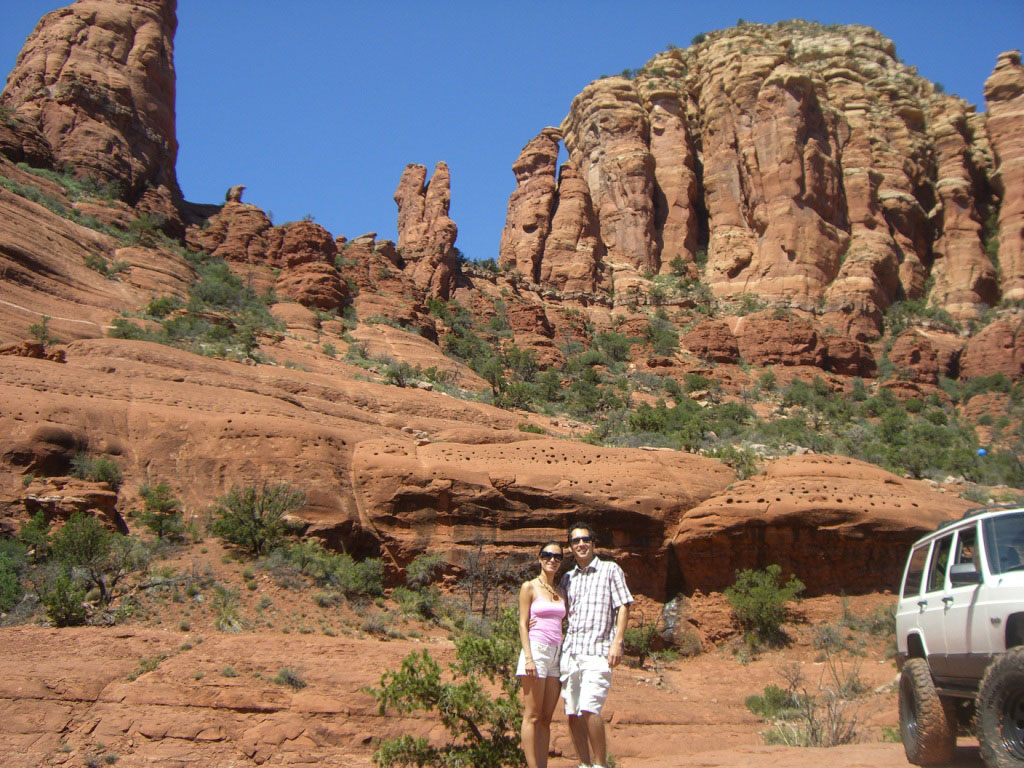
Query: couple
{"points": [[596, 599]]}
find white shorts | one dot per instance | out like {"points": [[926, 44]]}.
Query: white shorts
{"points": [[545, 658], [585, 683]]}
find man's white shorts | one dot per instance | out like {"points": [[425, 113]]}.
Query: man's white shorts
{"points": [[545, 658], [585, 683]]}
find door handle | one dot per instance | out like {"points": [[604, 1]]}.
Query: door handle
{"points": [[922, 604], [947, 601]]}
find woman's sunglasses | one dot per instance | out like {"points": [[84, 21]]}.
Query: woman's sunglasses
{"points": [[550, 555]]}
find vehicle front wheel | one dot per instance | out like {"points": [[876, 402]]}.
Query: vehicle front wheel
{"points": [[1000, 711], [927, 721]]}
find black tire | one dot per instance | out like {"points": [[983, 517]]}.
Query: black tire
{"points": [[927, 721], [1000, 717]]}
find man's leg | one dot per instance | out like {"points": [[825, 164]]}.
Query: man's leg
{"points": [[594, 726], [578, 731]]}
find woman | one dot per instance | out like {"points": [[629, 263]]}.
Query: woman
{"points": [[541, 610]]}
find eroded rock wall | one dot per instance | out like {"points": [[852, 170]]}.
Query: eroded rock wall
{"points": [[799, 162]]}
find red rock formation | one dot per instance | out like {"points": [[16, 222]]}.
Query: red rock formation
{"points": [[531, 205], [607, 135], [916, 358], [770, 338], [667, 104], [712, 340], [999, 348], [848, 357], [97, 80], [819, 517], [831, 177], [965, 279], [1004, 95], [446, 496], [302, 252], [574, 255], [426, 235]]}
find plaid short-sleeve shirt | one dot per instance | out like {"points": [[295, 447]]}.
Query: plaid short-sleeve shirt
{"points": [[595, 594]]}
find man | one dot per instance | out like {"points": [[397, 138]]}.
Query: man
{"points": [[598, 604]]}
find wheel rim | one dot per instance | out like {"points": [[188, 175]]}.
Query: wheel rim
{"points": [[1011, 730]]}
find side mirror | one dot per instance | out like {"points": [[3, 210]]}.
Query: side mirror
{"points": [[964, 574]]}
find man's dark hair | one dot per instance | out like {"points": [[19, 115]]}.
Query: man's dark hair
{"points": [[585, 526]]}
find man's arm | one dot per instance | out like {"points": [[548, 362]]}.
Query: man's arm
{"points": [[616, 650]]}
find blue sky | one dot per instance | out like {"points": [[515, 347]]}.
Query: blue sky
{"points": [[318, 105]]}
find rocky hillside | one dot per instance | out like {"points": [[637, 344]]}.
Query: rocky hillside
{"points": [[758, 317]]}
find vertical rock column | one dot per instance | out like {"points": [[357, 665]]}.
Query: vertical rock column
{"points": [[607, 135], [531, 205], [426, 235], [676, 226], [965, 281], [574, 254], [1004, 94]]}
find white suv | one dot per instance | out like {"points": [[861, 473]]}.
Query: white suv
{"points": [[960, 637]]}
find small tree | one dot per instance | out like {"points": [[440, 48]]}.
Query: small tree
{"points": [[758, 601], [41, 331], [639, 640], [103, 556], [162, 513], [483, 731], [254, 518], [35, 535]]}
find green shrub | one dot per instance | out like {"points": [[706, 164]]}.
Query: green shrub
{"points": [[419, 603], [63, 598], [255, 518], [483, 730], [776, 703], [162, 511], [758, 600], [291, 677], [225, 609], [35, 536], [639, 640], [97, 470], [10, 585], [422, 570]]}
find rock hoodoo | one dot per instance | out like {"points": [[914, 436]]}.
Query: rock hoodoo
{"points": [[426, 235]]}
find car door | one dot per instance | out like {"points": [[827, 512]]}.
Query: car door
{"points": [[932, 618], [960, 606]]}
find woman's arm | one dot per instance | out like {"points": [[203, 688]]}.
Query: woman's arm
{"points": [[525, 600]]}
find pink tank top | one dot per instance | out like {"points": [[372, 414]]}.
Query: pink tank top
{"points": [[547, 625]]}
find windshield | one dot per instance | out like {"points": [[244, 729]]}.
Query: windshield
{"points": [[1004, 542]]}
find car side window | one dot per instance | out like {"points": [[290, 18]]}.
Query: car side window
{"points": [[966, 547], [915, 572], [937, 566]]}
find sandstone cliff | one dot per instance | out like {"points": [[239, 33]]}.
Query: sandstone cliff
{"points": [[804, 164], [95, 83]]}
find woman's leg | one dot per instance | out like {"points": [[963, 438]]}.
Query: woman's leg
{"points": [[542, 730], [533, 704]]}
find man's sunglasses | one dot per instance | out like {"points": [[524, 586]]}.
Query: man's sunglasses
{"points": [[550, 555], [581, 540]]}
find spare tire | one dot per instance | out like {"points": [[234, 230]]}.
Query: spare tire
{"points": [[927, 721], [1000, 711]]}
